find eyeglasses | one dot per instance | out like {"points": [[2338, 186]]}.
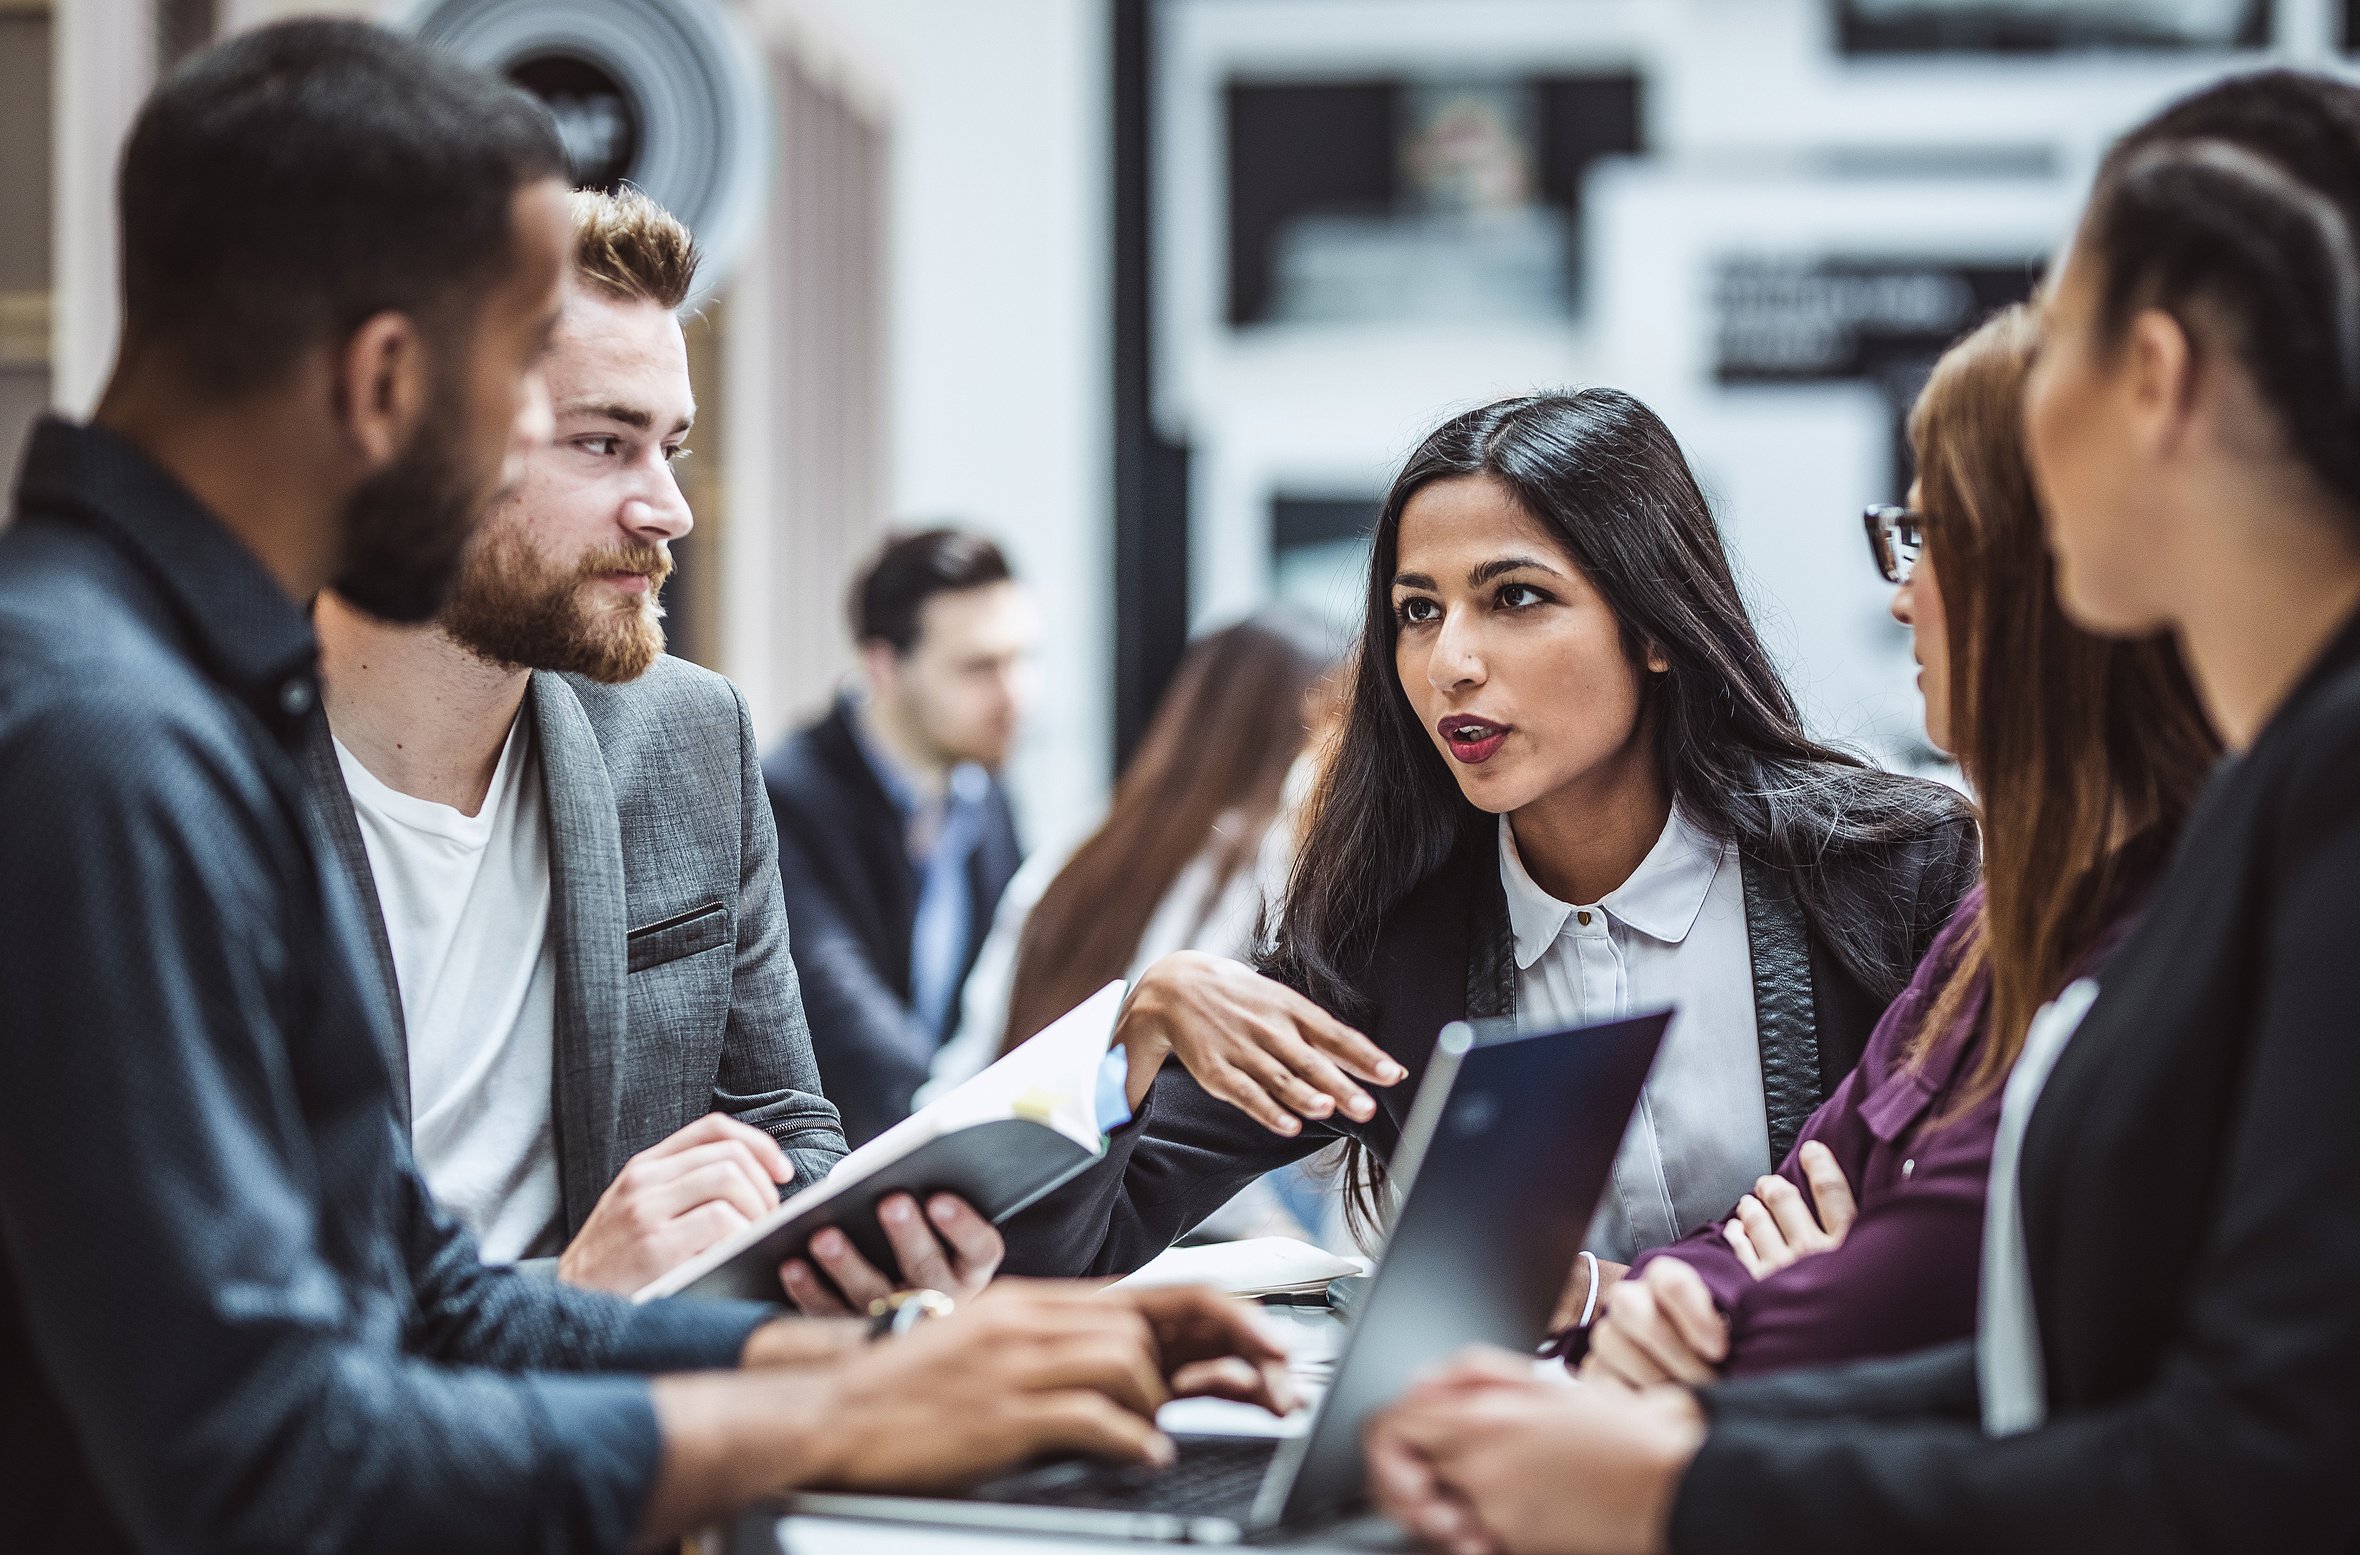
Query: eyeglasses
{"points": [[1896, 538]]}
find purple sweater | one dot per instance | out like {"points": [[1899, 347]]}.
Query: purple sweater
{"points": [[1906, 1276]]}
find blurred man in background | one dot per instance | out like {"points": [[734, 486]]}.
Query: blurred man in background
{"points": [[895, 836]]}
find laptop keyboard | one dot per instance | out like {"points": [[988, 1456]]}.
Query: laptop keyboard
{"points": [[1212, 1476]]}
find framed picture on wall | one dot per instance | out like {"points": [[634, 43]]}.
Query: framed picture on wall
{"points": [[1447, 199], [1843, 319], [1872, 27]]}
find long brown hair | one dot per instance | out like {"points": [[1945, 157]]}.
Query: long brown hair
{"points": [[1212, 769], [2074, 744]]}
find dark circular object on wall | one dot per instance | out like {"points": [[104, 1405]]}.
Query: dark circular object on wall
{"points": [[668, 95], [596, 115]]}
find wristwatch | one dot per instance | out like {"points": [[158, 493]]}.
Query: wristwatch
{"points": [[905, 1310]]}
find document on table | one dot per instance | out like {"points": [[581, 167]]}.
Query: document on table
{"points": [[1257, 1266]]}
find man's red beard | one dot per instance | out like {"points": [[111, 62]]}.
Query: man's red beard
{"points": [[511, 607]]}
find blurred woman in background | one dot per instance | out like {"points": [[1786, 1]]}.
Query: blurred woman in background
{"points": [[1192, 856], [1197, 839]]}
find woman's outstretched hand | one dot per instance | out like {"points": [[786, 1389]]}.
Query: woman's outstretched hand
{"points": [[1255, 1043]]}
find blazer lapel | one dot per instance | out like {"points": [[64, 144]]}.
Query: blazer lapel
{"points": [[586, 915], [1785, 1018], [339, 826], [1491, 947]]}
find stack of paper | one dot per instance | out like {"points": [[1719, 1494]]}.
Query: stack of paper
{"points": [[1258, 1266]]}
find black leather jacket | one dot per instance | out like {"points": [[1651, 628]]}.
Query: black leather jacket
{"points": [[1446, 952]]}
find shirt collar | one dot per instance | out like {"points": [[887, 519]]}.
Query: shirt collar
{"points": [[244, 628], [966, 785], [1661, 899], [888, 772]]}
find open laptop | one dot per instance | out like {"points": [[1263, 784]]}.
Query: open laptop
{"points": [[1502, 1164]]}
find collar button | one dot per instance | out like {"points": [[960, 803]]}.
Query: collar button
{"points": [[295, 697]]}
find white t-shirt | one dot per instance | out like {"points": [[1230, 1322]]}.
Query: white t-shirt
{"points": [[466, 906]]}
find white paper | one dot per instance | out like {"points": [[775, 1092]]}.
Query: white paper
{"points": [[1257, 1266]]}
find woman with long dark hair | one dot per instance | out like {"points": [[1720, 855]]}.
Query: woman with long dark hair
{"points": [[2085, 755], [2167, 1350], [1568, 784]]}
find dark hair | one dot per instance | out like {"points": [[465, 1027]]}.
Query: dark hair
{"points": [[910, 570], [1210, 771], [2243, 202], [1602, 474], [282, 188], [2075, 744]]}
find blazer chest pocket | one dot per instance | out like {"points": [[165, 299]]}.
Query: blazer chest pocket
{"points": [[681, 935]]}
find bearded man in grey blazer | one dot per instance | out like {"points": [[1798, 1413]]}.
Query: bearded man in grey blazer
{"points": [[564, 832]]}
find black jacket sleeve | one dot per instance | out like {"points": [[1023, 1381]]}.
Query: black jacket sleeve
{"points": [[1185, 1155], [1938, 1383], [2244, 1432]]}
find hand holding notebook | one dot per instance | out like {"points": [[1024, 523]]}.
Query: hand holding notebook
{"points": [[1011, 1134]]}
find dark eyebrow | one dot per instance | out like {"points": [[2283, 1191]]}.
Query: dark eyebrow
{"points": [[1412, 580], [1502, 565], [629, 415]]}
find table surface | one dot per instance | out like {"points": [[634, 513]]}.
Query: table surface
{"points": [[1312, 1334]]}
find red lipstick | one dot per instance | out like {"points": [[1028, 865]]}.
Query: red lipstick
{"points": [[1470, 739]]}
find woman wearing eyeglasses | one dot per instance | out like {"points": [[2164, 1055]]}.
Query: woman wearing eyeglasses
{"points": [[1568, 786], [2085, 756]]}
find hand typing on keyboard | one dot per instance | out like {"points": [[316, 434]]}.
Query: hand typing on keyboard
{"points": [[1211, 1347]]}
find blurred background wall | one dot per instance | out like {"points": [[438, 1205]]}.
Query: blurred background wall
{"points": [[1159, 291]]}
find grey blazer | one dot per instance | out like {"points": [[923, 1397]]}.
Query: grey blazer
{"points": [[675, 993]]}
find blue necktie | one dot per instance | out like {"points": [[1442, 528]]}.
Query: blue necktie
{"points": [[938, 938]]}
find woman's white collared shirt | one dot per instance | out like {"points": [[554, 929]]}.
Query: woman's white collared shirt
{"points": [[1672, 934]]}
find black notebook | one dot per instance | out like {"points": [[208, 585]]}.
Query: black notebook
{"points": [[1021, 1129]]}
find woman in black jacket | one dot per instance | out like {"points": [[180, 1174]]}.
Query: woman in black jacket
{"points": [[2168, 1354], [1568, 782]]}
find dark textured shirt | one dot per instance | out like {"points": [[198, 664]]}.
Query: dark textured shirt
{"points": [[231, 1317]]}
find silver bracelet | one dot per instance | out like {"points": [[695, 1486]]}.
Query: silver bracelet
{"points": [[1590, 1296]]}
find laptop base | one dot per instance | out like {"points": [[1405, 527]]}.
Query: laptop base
{"points": [[1206, 1497]]}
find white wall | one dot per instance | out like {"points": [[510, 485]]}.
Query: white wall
{"points": [[999, 308], [1750, 116], [104, 53]]}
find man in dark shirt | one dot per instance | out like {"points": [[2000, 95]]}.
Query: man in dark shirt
{"points": [[230, 1315], [895, 838]]}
